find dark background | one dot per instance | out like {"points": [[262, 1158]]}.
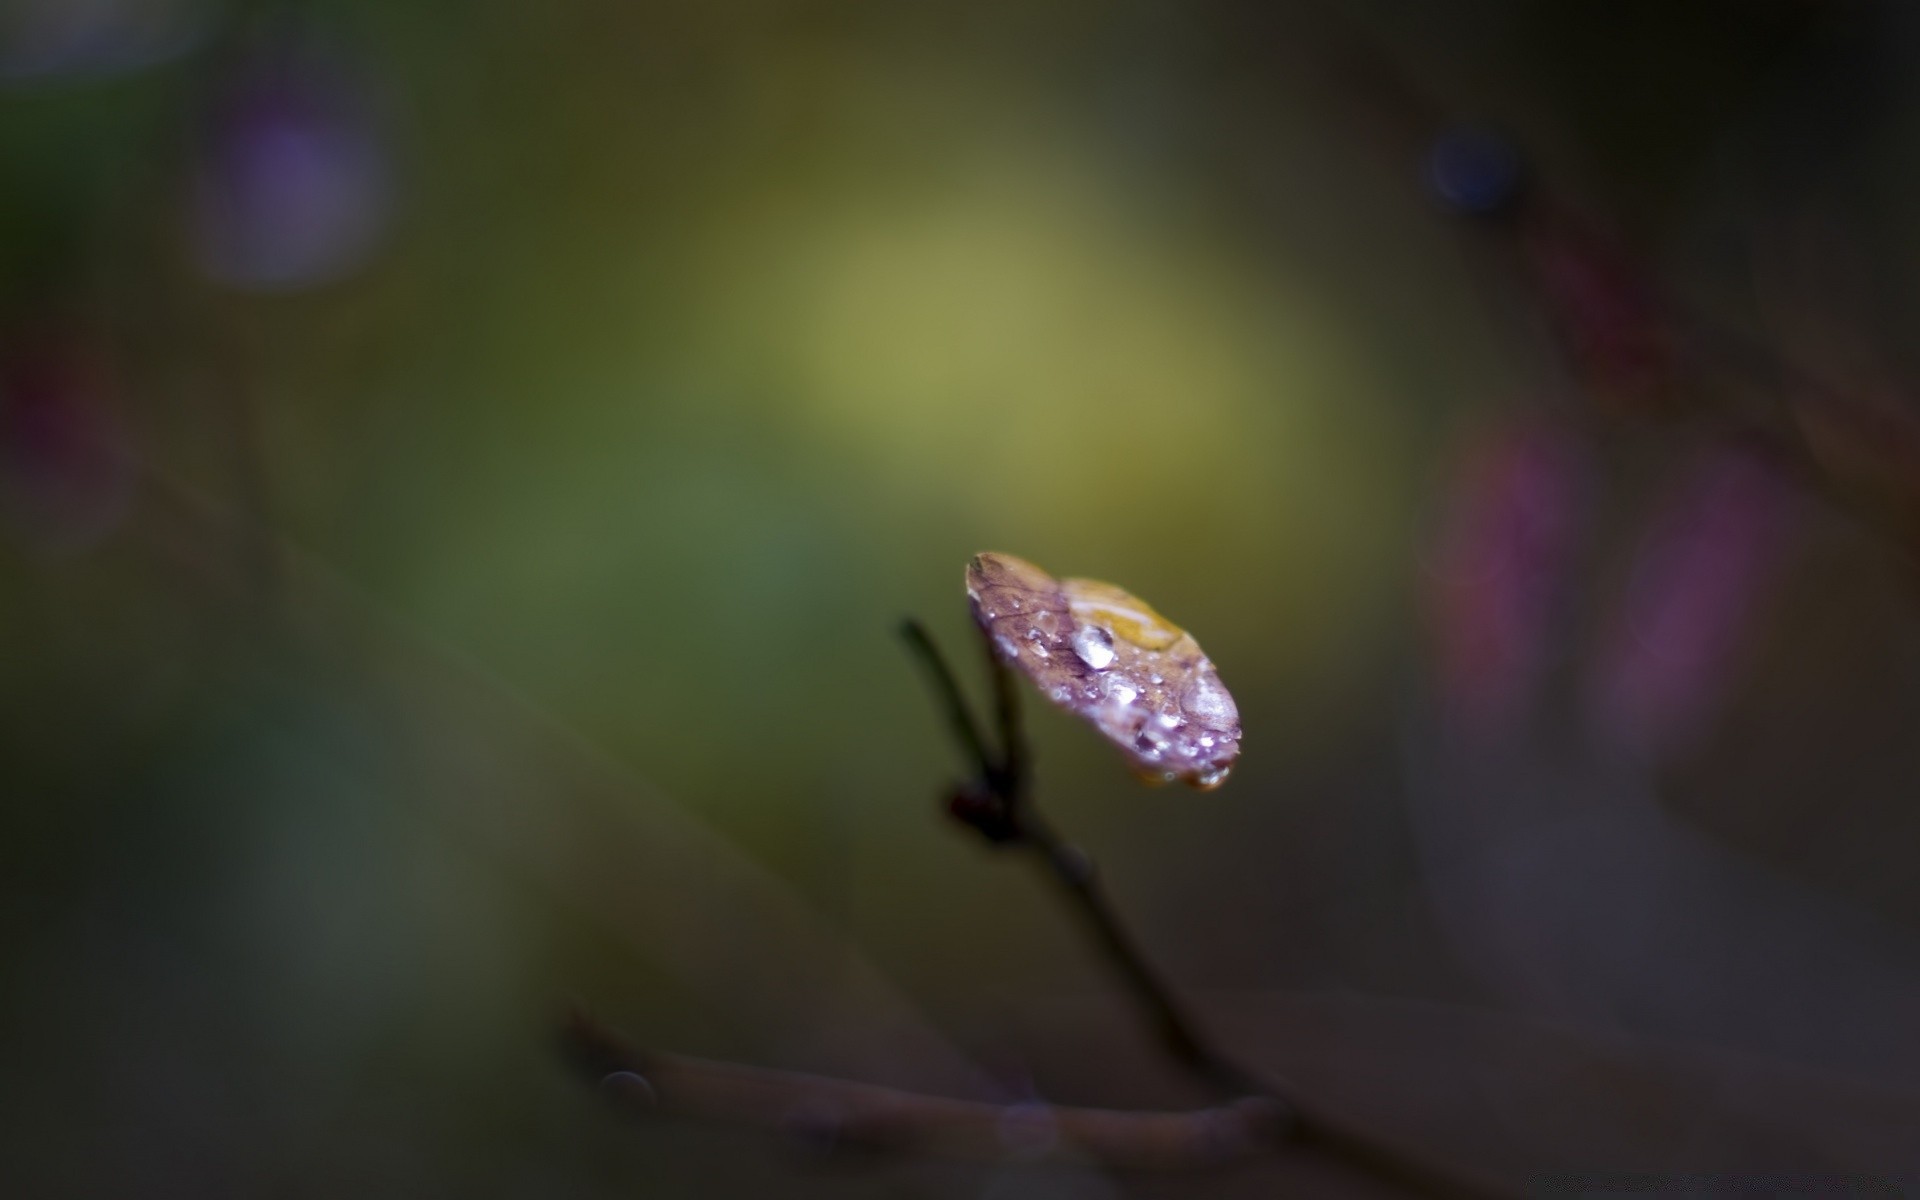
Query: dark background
{"points": [[463, 465]]}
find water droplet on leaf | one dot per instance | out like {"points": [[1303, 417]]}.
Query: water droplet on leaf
{"points": [[1094, 645], [1106, 656]]}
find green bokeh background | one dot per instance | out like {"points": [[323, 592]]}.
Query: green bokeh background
{"points": [[707, 342]]}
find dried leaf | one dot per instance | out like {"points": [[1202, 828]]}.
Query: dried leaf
{"points": [[1104, 655]]}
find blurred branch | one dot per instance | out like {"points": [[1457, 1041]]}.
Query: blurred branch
{"points": [[999, 805], [1179, 1035], [953, 702], [841, 1114], [1589, 308]]}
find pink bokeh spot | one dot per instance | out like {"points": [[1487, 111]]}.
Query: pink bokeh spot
{"points": [[1711, 553], [1513, 519], [294, 187]]}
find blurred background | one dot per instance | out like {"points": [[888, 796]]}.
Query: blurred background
{"points": [[461, 468]]}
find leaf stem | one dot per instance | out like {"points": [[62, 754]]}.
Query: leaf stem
{"points": [[1015, 820], [842, 1114], [1173, 1027], [953, 702]]}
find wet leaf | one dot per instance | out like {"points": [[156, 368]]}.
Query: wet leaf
{"points": [[1104, 655]]}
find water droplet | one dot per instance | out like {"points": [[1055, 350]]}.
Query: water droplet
{"points": [[1122, 693], [629, 1087], [1212, 778], [1094, 645], [1209, 702]]}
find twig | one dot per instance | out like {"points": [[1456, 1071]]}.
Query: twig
{"points": [[1001, 807], [836, 1114], [1005, 776], [953, 702], [1175, 1029], [1261, 1116]]}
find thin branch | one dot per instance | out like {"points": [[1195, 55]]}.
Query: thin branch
{"points": [[953, 702], [1180, 1036], [840, 1114], [1306, 1126], [1263, 1117], [1015, 820], [1175, 1029]]}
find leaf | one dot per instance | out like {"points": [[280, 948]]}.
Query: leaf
{"points": [[1104, 655]]}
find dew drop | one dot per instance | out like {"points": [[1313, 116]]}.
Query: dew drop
{"points": [[1094, 645], [1209, 702], [1150, 742], [1212, 778]]}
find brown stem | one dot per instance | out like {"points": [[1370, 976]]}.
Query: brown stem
{"points": [[953, 702], [1006, 777], [838, 1114], [1175, 1029], [1306, 1125]]}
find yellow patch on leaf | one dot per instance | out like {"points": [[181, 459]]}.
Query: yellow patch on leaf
{"points": [[1106, 656]]}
